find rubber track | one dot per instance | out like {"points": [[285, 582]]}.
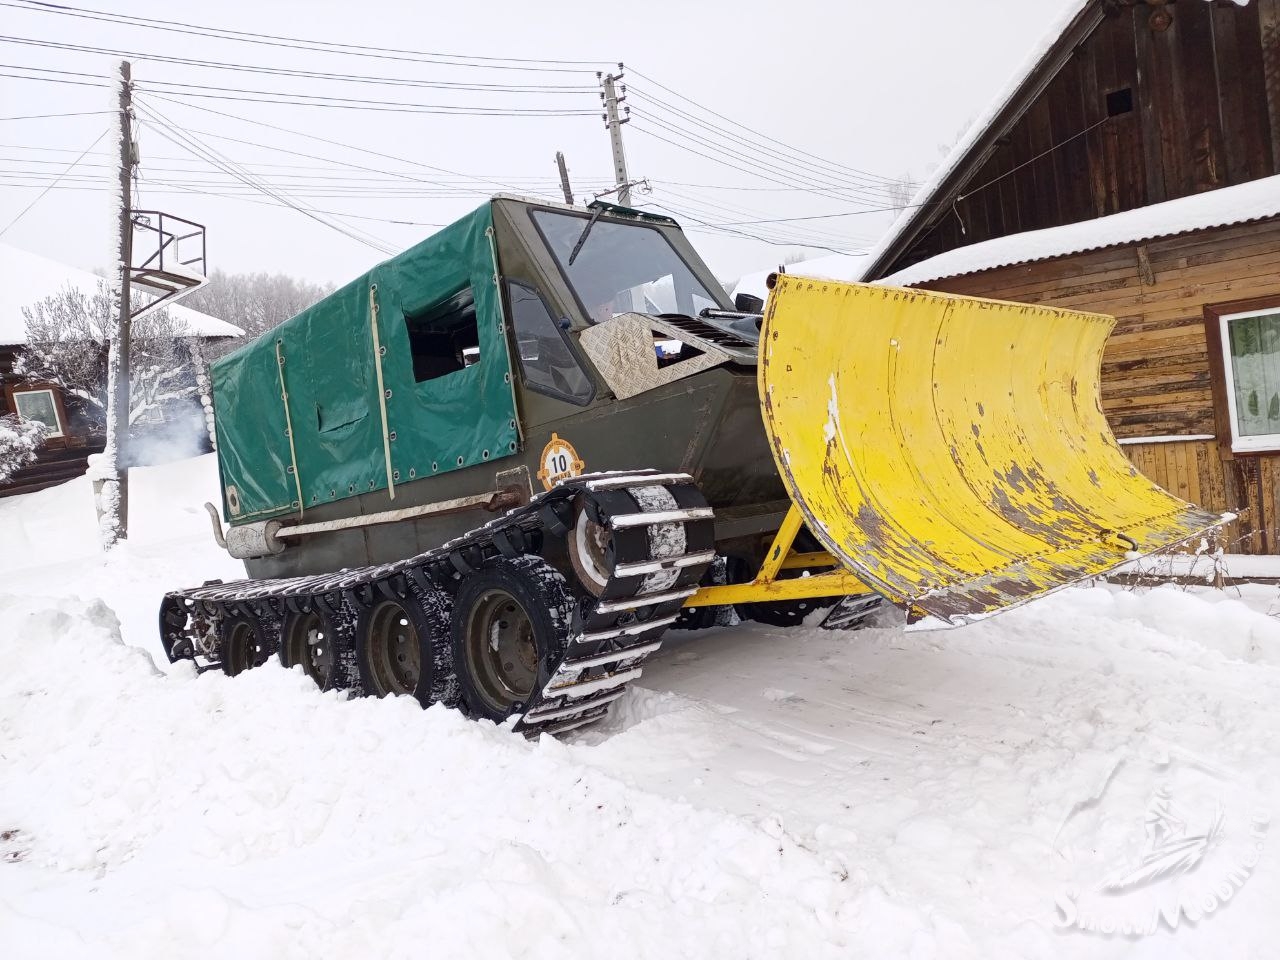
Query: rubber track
{"points": [[610, 636]]}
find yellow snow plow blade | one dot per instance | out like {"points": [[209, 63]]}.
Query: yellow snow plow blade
{"points": [[952, 451]]}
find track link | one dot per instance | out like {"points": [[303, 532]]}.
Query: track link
{"points": [[662, 543]]}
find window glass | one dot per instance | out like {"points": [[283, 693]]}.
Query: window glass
{"points": [[1253, 343], [546, 358], [39, 405], [623, 267], [444, 338]]}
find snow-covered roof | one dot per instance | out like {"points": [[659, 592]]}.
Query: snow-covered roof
{"points": [[1077, 18], [839, 266], [1245, 202], [27, 278]]}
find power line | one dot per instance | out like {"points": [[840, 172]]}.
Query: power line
{"points": [[52, 116], [326, 164], [297, 72], [73, 83], [209, 91], [759, 166], [830, 172], [296, 190], [721, 228], [319, 46], [40, 196], [336, 143], [749, 130], [166, 189], [711, 214], [187, 141], [301, 99], [726, 214], [741, 164]]}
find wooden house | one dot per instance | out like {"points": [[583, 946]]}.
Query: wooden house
{"points": [[72, 435], [1134, 170]]}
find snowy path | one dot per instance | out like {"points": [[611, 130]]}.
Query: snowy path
{"points": [[769, 793]]}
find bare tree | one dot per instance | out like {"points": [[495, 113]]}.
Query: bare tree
{"points": [[19, 441], [255, 302], [66, 338]]}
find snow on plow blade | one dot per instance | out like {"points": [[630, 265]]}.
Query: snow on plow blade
{"points": [[952, 451]]}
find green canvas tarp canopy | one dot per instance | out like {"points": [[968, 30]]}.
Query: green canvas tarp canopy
{"points": [[442, 412]]}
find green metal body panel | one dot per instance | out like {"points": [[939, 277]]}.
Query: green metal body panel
{"points": [[707, 424]]}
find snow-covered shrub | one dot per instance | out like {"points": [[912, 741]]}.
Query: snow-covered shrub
{"points": [[19, 441], [67, 334]]}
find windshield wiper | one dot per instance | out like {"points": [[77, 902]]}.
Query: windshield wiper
{"points": [[582, 238]]}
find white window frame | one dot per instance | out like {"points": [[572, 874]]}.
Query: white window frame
{"points": [[57, 414]]}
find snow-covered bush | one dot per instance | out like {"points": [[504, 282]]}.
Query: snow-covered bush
{"points": [[19, 441], [67, 335]]}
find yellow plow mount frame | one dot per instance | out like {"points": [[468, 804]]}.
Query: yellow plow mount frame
{"points": [[950, 452], [837, 582]]}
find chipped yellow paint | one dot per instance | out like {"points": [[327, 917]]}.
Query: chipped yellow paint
{"points": [[952, 451]]}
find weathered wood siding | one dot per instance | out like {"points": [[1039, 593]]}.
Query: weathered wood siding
{"points": [[1206, 114], [1157, 378], [60, 459]]}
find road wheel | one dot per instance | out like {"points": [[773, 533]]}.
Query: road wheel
{"points": [[402, 646], [316, 641], [510, 625], [241, 644]]}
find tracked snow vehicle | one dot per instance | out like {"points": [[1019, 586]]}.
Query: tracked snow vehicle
{"points": [[494, 470]]}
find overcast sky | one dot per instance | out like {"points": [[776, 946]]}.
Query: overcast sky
{"points": [[879, 89]]}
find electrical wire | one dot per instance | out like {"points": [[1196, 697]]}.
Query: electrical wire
{"points": [[297, 72], [190, 143], [829, 171], [739, 164], [73, 83], [750, 130], [56, 181], [209, 91], [719, 228], [52, 116], [763, 168], [336, 143], [320, 46], [185, 191], [728, 216], [327, 164]]}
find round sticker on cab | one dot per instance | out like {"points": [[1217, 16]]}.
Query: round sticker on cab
{"points": [[559, 461]]}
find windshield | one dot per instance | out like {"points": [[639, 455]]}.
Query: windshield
{"points": [[622, 267]]}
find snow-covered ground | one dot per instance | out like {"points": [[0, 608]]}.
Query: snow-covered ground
{"points": [[768, 793]]}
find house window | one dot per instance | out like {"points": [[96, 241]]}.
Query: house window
{"points": [[39, 405], [1251, 358], [1120, 102]]}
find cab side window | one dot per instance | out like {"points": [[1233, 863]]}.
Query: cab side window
{"points": [[546, 358]]}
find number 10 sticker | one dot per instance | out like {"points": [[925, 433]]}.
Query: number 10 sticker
{"points": [[559, 460]]}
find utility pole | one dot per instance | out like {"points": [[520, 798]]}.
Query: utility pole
{"points": [[611, 100], [564, 178], [113, 492]]}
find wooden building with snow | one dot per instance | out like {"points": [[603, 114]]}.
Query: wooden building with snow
{"points": [[73, 433], [1134, 170]]}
